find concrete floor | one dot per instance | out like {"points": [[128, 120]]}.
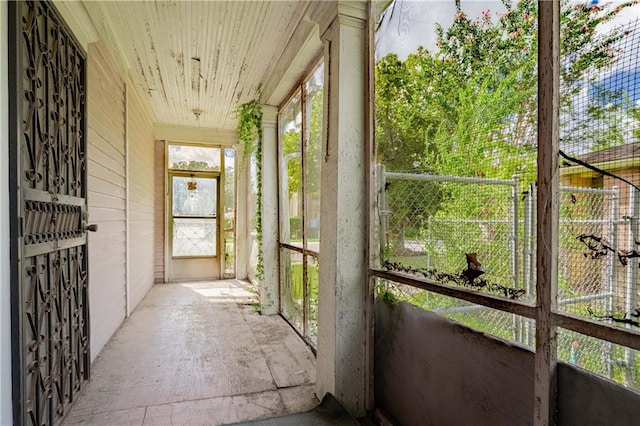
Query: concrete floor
{"points": [[198, 353]]}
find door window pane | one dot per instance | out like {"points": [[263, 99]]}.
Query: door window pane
{"points": [[194, 237], [194, 196]]}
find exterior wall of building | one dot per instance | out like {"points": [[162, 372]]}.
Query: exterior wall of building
{"points": [[578, 180], [159, 202], [141, 181], [106, 195], [5, 283], [121, 168]]}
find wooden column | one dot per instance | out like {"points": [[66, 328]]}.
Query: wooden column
{"points": [[269, 293], [342, 355], [243, 237], [547, 214]]}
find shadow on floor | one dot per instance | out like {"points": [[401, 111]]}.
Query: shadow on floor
{"points": [[329, 412]]}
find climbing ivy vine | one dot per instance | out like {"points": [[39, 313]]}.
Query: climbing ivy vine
{"points": [[250, 134]]}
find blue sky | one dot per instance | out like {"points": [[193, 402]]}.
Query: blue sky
{"points": [[409, 24]]}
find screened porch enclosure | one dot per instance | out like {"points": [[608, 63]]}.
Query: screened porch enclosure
{"points": [[438, 235], [506, 202]]}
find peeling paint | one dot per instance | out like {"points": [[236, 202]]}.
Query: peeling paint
{"points": [[238, 45], [195, 74]]}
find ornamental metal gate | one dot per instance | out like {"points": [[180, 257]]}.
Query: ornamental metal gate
{"points": [[50, 306]]}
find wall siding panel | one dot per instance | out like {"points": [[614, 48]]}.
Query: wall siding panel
{"points": [[159, 207], [141, 200], [106, 169]]}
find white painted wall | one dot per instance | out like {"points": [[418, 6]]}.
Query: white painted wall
{"points": [[5, 315], [159, 200], [106, 195], [141, 176]]}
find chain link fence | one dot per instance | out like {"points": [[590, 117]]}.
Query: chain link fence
{"points": [[598, 233], [429, 223], [586, 280], [481, 233]]}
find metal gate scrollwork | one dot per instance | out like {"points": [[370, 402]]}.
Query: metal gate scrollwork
{"points": [[48, 148]]}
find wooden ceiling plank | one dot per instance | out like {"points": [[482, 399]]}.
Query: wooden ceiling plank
{"points": [[238, 44]]}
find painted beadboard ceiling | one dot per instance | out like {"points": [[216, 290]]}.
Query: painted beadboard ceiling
{"points": [[208, 56]]}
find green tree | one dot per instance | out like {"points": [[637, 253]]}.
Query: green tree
{"points": [[469, 108], [292, 146]]}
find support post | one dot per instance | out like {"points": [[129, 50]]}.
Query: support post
{"points": [[547, 211], [383, 210], [532, 202], [631, 294], [526, 265], [526, 247], [342, 328], [518, 322], [516, 230], [611, 273], [243, 236], [269, 289]]}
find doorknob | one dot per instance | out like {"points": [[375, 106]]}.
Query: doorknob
{"points": [[91, 228]]}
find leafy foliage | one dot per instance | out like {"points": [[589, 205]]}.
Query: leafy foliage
{"points": [[249, 127], [470, 107]]}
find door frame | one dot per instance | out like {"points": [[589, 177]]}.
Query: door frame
{"points": [[168, 214], [14, 219], [217, 258]]}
